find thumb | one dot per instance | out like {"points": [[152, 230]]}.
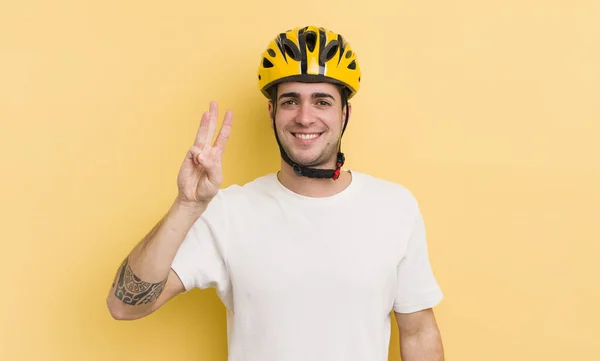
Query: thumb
{"points": [[212, 167]]}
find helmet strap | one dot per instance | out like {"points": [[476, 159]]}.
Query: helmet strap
{"points": [[304, 171]]}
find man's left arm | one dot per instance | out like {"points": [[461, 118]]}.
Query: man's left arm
{"points": [[420, 338]]}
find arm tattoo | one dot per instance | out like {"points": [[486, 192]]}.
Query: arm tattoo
{"points": [[133, 291]]}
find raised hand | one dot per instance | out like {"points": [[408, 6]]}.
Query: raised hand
{"points": [[200, 175]]}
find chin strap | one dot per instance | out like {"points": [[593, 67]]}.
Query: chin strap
{"points": [[303, 171]]}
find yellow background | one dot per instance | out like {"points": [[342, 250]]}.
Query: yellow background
{"points": [[488, 111]]}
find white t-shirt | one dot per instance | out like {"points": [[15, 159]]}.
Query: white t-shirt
{"points": [[311, 279]]}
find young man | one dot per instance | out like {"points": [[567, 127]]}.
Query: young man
{"points": [[309, 261]]}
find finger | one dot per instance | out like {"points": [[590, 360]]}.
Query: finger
{"points": [[212, 166], [202, 130], [225, 131], [212, 125]]}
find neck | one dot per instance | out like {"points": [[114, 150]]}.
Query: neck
{"points": [[312, 187]]}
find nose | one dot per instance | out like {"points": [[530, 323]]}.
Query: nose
{"points": [[304, 115]]}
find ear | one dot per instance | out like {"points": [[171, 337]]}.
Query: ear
{"points": [[271, 113], [344, 113]]}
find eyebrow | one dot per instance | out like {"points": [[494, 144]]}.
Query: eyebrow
{"points": [[314, 95]]}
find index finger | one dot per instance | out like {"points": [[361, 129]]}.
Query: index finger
{"points": [[224, 132]]}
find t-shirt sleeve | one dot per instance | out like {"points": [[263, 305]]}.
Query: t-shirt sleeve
{"points": [[200, 261], [417, 288]]}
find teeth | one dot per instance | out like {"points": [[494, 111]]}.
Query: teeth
{"points": [[307, 136]]}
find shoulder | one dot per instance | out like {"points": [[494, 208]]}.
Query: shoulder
{"points": [[391, 205], [259, 186], [251, 191], [239, 198], [385, 190]]}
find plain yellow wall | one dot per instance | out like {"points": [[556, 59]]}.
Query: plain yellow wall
{"points": [[488, 111]]}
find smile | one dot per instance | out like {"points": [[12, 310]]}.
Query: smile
{"points": [[306, 136]]}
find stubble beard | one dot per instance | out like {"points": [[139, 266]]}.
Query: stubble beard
{"points": [[325, 159]]}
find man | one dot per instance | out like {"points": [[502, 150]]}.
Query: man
{"points": [[309, 261]]}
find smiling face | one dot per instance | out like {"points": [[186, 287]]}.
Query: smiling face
{"points": [[309, 121]]}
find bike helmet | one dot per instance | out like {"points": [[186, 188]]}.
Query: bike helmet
{"points": [[311, 54]]}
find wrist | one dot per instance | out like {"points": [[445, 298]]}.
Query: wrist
{"points": [[193, 207]]}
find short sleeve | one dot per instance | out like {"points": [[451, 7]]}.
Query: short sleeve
{"points": [[200, 261], [417, 288]]}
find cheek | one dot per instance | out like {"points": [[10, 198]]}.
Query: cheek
{"points": [[281, 126], [281, 120], [335, 121]]}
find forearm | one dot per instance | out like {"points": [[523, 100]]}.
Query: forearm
{"points": [[425, 345], [151, 259], [142, 276]]}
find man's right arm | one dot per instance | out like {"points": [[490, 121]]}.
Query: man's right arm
{"points": [[145, 280]]}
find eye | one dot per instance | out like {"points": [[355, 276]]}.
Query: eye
{"points": [[288, 102], [323, 103]]}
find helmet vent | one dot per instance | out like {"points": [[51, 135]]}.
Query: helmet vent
{"points": [[329, 51], [352, 65], [311, 40], [267, 63], [291, 50], [332, 51]]}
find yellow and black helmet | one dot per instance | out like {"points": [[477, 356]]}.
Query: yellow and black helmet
{"points": [[309, 54]]}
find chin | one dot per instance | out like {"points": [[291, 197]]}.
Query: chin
{"points": [[310, 160], [314, 156], [307, 161]]}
